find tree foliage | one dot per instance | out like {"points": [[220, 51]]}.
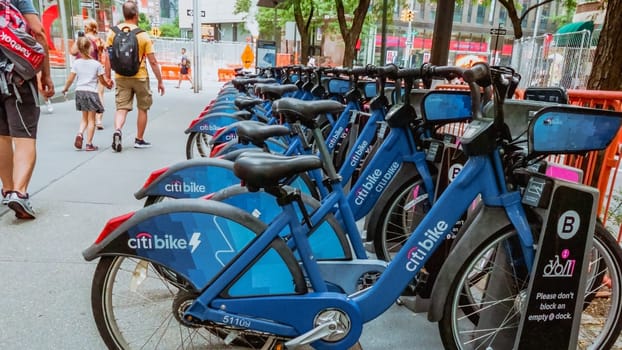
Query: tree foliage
{"points": [[143, 22], [345, 17], [170, 30]]}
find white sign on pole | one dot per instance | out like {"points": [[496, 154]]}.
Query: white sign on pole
{"points": [[291, 31], [222, 13]]}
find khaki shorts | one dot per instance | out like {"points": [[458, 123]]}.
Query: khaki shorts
{"points": [[127, 88]]}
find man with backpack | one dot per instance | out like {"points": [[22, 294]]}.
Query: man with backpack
{"points": [[19, 109], [128, 46]]}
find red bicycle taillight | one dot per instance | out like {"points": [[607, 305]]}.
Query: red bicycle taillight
{"points": [[219, 131], [112, 225], [154, 175], [217, 149], [194, 122]]}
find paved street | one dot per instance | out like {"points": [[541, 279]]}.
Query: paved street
{"points": [[45, 283]]}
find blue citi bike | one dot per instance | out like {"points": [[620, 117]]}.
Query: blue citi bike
{"points": [[241, 284]]}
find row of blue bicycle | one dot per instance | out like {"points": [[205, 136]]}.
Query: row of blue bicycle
{"points": [[313, 199]]}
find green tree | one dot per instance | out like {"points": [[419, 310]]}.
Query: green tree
{"points": [[170, 30], [606, 71], [144, 23]]}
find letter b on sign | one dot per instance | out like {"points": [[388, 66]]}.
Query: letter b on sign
{"points": [[568, 224]]}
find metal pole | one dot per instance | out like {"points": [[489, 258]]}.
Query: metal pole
{"points": [[585, 34], [196, 38], [409, 44], [533, 45], [63, 25], [383, 40]]}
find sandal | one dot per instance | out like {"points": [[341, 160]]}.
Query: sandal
{"points": [[99, 126], [77, 143], [90, 147]]}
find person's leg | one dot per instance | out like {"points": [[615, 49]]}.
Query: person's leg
{"points": [[6, 163], [124, 97], [24, 158], [77, 142], [141, 124], [144, 100], [190, 80], [90, 128], [181, 77], [99, 116]]}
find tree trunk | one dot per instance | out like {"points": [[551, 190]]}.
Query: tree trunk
{"points": [[606, 71], [351, 35], [303, 29]]}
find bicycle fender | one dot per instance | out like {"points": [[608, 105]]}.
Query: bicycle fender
{"points": [[193, 238], [210, 123], [486, 222], [191, 178]]}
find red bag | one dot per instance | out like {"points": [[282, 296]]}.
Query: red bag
{"points": [[17, 44]]}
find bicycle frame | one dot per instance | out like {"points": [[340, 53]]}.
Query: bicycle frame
{"points": [[480, 175]]}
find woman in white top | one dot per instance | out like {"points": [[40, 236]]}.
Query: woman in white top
{"points": [[87, 72]]}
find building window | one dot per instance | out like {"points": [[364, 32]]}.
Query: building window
{"points": [[481, 14], [458, 13]]}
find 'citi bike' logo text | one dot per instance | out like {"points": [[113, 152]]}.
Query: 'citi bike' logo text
{"points": [[375, 181], [422, 249], [146, 240], [179, 186], [557, 268]]}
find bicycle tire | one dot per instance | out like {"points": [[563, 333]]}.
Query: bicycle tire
{"points": [[197, 145], [455, 324], [391, 227]]}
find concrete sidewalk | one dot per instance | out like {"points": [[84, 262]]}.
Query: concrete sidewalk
{"points": [[45, 289]]}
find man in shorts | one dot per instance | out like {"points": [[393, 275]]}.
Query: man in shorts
{"points": [[18, 125], [137, 85]]}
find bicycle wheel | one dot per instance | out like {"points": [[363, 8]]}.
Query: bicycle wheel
{"points": [[400, 216], [136, 306], [197, 145], [461, 328]]}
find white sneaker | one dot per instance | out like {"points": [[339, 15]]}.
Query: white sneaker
{"points": [[49, 105]]}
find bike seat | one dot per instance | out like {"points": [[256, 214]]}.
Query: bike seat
{"points": [[233, 155], [305, 111], [240, 82], [246, 102], [274, 91], [265, 170], [245, 115], [257, 132]]}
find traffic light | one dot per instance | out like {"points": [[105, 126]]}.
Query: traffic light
{"points": [[408, 15]]}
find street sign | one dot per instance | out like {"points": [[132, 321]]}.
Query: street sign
{"points": [[155, 31], [497, 38], [498, 31], [247, 57], [89, 4]]}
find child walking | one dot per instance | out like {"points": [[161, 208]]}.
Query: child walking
{"points": [[88, 72]]}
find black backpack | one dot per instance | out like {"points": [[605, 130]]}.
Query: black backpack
{"points": [[124, 52]]}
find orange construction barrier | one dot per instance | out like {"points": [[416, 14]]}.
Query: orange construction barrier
{"points": [[170, 71], [226, 74]]}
